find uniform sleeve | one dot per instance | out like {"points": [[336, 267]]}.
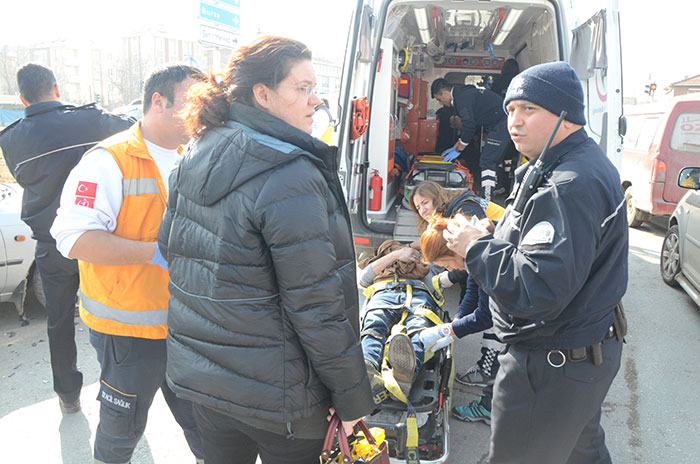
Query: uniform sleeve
{"points": [[464, 109], [297, 230], [110, 123], [478, 318], [538, 277], [91, 199]]}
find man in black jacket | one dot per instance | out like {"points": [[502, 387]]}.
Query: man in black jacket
{"points": [[476, 107], [40, 151], [556, 272]]}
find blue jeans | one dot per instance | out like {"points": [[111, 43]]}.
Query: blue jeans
{"points": [[382, 312]]}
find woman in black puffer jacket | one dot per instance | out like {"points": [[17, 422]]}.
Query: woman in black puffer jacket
{"points": [[263, 319]]}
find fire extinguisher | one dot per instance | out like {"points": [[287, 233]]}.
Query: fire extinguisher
{"points": [[375, 191]]}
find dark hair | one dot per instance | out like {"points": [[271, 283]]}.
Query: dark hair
{"points": [[438, 86], [510, 66], [35, 82], [267, 60], [164, 80]]}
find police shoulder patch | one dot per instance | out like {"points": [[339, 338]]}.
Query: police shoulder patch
{"points": [[541, 233]]}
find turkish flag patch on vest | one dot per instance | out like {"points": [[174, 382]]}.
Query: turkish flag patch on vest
{"points": [[85, 194]]}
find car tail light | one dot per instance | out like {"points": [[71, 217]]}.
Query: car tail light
{"points": [[658, 171]]}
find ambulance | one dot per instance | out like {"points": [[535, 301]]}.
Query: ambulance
{"points": [[396, 48]]}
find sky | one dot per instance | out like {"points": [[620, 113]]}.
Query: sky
{"points": [[659, 39]]}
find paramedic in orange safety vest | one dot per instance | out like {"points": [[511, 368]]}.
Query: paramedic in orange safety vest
{"points": [[110, 211]]}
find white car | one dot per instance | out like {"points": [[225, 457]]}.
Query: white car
{"points": [[680, 253], [18, 274]]}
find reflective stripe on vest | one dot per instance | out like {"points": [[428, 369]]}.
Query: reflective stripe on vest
{"points": [[130, 300], [150, 317], [140, 186]]}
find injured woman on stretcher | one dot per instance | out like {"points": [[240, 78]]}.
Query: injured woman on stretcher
{"points": [[401, 328]]}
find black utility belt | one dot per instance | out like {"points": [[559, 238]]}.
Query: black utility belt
{"points": [[594, 353]]}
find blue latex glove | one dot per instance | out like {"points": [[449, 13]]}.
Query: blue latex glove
{"points": [[158, 259], [437, 337], [450, 154]]}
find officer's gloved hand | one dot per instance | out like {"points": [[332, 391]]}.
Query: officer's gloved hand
{"points": [[450, 154], [158, 259], [444, 278], [437, 337]]}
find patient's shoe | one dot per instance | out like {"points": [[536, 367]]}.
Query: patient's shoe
{"points": [[402, 359]]}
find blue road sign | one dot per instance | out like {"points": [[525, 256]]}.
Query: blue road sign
{"points": [[219, 15]]}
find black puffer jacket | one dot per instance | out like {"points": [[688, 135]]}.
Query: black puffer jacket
{"points": [[264, 322]]}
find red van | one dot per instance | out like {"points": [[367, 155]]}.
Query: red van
{"points": [[661, 140]]}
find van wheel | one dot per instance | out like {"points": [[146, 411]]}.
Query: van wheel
{"points": [[634, 216], [671, 257]]}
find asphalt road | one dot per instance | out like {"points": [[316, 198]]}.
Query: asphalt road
{"points": [[650, 414]]}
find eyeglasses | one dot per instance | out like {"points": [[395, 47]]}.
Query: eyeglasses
{"points": [[307, 90]]}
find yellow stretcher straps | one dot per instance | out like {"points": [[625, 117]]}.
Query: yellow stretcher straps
{"points": [[436, 293]]}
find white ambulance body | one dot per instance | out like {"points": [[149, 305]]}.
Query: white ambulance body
{"points": [[397, 48]]}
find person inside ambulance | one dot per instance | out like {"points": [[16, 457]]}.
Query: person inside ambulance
{"points": [[476, 107]]}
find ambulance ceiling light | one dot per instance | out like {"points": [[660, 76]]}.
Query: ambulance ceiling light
{"points": [[422, 22], [511, 18]]}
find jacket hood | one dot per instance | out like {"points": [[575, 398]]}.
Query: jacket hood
{"points": [[251, 143]]}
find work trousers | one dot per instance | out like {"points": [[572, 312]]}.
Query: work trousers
{"points": [[60, 282], [491, 156], [133, 369], [230, 441], [544, 414]]}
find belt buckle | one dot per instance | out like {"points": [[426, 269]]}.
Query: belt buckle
{"points": [[560, 353]]}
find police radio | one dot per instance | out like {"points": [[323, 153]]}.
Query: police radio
{"points": [[535, 175]]}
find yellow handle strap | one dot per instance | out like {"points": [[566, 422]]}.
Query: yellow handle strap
{"points": [[428, 314], [438, 297], [399, 327]]}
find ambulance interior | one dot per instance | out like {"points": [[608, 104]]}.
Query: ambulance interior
{"points": [[463, 42]]}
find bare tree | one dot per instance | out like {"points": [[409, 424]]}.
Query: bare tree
{"points": [[126, 76], [11, 58]]}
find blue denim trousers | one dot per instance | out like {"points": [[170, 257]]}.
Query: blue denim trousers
{"points": [[382, 312]]}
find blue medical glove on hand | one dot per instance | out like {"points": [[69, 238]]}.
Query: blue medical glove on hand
{"points": [[437, 337], [450, 154], [158, 259]]}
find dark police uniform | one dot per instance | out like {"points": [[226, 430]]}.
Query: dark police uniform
{"points": [[555, 273], [479, 107], [40, 150]]}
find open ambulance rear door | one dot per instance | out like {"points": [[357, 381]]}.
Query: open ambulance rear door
{"points": [[596, 56], [354, 111]]}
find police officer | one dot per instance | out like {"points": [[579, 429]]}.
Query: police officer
{"points": [[555, 273], [476, 107], [40, 150]]}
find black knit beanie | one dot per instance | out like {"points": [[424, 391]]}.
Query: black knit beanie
{"points": [[553, 86]]}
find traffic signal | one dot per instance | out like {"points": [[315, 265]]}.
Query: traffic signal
{"points": [[650, 89]]}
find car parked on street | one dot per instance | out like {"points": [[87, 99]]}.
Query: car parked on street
{"points": [[680, 252], [661, 139], [18, 275]]}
